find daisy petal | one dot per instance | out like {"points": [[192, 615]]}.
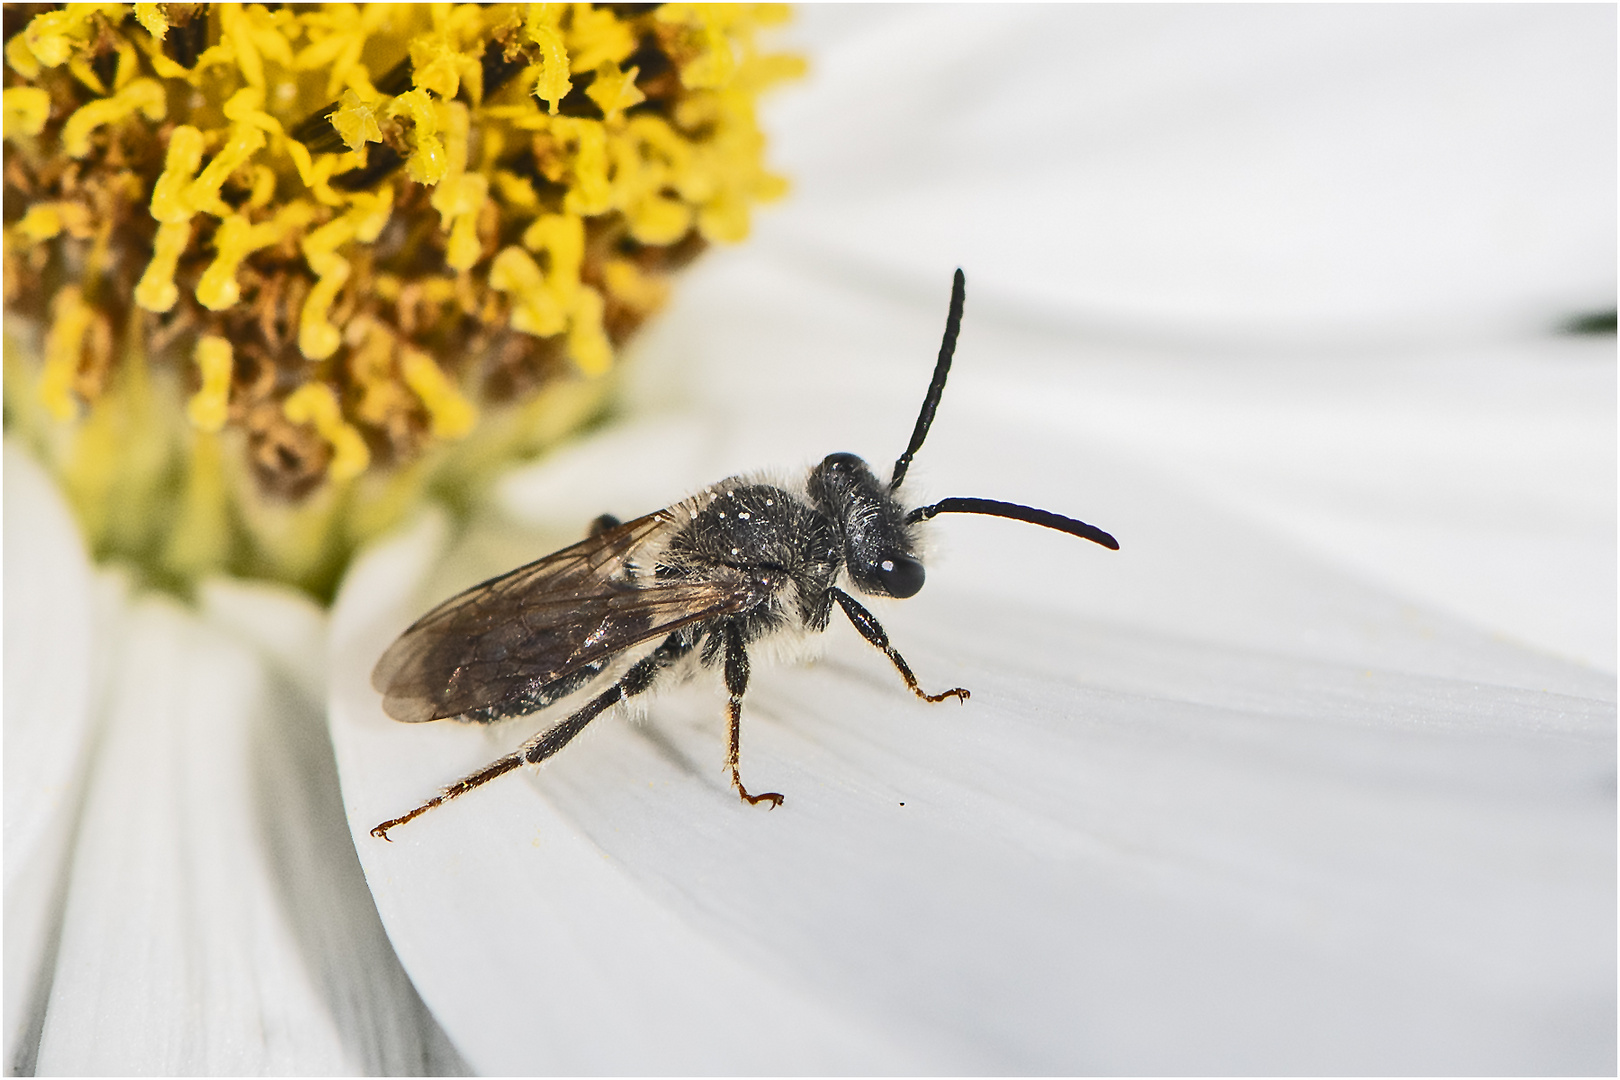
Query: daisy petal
{"points": [[1262, 792], [214, 921], [51, 636], [1215, 805]]}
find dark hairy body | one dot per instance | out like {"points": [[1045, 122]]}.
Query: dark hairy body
{"points": [[689, 587]]}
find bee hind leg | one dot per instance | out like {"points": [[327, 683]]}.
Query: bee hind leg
{"points": [[736, 686], [641, 675]]}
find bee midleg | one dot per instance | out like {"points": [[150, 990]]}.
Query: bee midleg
{"points": [[642, 674], [736, 686], [872, 631]]}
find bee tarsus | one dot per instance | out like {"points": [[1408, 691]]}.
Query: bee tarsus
{"points": [[872, 630], [744, 560]]}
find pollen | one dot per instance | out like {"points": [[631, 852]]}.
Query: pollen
{"points": [[378, 247]]}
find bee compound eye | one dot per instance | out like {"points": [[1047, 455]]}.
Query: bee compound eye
{"points": [[901, 576], [843, 462]]}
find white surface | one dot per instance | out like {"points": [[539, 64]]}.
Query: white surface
{"points": [[1217, 804], [1316, 774], [1212, 170], [50, 633], [181, 895]]}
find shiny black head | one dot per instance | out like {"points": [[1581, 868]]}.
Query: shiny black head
{"points": [[878, 549]]}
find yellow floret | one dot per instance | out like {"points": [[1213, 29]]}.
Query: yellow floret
{"points": [[317, 337], [436, 65], [659, 219], [551, 84], [615, 91], [127, 163], [26, 110], [264, 187], [143, 95], [426, 164], [595, 37], [243, 142], [152, 17], [46, 220], [246, 106], [453, 416], [713, 65], [724, 218], [157, 290], [588, 345], [460, 195], [208, 407], [169, 202], [64, 344], [535, 309], [464, 248], [234, 26], [234, 241], [338, 37], [356, 121], [591, 193], [21, 58], [315, 404], [369, 211], [631, 287], [561, 237], [54, 36]]}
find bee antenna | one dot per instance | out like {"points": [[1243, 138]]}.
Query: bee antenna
{"points": [[996, 508], [947, 349]]}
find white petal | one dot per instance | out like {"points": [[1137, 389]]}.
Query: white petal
{"points": [[1261, 792], [1214, 806], [215, 919], [51, 643], [1265, 171]]}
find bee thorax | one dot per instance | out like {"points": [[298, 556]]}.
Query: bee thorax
{"points": [[767, 534]]}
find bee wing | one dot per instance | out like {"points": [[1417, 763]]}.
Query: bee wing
{"points": [[539, 623]]}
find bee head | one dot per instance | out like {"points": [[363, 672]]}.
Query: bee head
{"points": [[878, 549]]}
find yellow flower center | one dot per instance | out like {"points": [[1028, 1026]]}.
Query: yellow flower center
{"points": [[321, 261]]}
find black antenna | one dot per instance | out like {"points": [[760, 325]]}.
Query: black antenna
{"points": [[996, 508], [947, 349]]}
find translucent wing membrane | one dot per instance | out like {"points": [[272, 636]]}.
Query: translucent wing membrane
{"points": [[494, 644]]}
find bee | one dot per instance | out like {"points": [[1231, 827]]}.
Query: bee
{"points": [[686, 588]]}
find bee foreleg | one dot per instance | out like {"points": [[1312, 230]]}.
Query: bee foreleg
{"points": [[640, 676], [870, 629], [736, 686]]}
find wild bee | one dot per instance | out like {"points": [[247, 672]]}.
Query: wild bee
{"points": [[691, 586]]}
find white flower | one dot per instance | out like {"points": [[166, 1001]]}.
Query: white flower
{"points": [[180, 894], [1315, 774]]}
